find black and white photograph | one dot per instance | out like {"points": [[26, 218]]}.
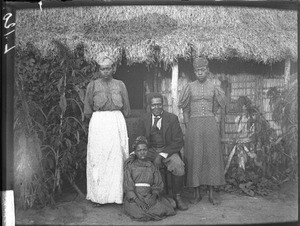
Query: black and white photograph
{"points": [[117, 112]]}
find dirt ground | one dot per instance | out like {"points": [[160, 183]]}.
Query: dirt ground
{"points": [[279, 206]]}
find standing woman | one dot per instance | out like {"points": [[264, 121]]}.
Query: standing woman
{"points": [[205, 165], [106, 103]]}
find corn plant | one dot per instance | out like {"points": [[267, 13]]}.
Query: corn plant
{"points": [[54, 92]]}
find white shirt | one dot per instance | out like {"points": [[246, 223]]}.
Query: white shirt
{"points": [[158, 122], [165, 155]]}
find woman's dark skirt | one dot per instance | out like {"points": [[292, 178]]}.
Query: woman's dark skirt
{"points": [[203, 154]]}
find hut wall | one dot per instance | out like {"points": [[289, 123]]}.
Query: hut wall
{"points": [[241, 85], [182, 81], [255, 87], [266, 110], [251, 79], [164, 87]]}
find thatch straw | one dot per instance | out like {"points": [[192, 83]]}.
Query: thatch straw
{"points": [[217, 32]]}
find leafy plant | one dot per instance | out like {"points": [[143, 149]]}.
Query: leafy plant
{"points": [[30, 189], [285, 112], [262, 159], [53, 91]]}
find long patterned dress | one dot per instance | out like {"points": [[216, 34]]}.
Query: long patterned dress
{"points": [[204, 158], [137, 172], [107, 147]]}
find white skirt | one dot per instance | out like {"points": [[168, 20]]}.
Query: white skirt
{"points": [[107, 150]]}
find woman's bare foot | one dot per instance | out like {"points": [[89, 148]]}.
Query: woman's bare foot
{"points": [[197, 197], [96, 204], [212, 198], [214, 201]]}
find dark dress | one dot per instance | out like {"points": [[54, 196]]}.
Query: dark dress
{"points": [[204, 158], [137, 171]]}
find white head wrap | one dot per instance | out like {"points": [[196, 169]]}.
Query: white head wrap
{"points": [[106, 60]]}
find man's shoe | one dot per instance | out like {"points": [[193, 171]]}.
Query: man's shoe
{"points": [[172, 202], [179, 203]]}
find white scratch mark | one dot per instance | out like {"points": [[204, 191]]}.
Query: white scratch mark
{"points": [[40, 4]]}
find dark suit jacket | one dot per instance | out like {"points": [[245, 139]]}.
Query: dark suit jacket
{"points": [[171, 130]]}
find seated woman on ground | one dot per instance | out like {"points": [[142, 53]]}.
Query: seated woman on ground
{"points": [[143, 185]]}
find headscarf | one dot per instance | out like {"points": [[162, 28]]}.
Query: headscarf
{"points": [[106, 60]]}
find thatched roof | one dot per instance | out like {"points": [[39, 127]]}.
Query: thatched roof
{"points": [[263, 35]]}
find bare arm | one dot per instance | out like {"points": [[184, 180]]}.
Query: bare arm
{"points": [[126, 105], [88, 100], [186, 117]]}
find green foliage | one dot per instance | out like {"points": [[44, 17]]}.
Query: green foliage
{"points": [[265, 159], [53, 91], [285, 112]]}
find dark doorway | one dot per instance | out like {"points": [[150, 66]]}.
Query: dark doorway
{"points": [[133, 78]]}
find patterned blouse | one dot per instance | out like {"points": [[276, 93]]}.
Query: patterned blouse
{"points": [[201, 99], [102, 95]]}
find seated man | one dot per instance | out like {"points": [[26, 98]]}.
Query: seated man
{"points": [[165, 138]]}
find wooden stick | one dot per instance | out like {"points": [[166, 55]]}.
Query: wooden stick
{"points": [[175, 89], [229, 159], [287, 70]]}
